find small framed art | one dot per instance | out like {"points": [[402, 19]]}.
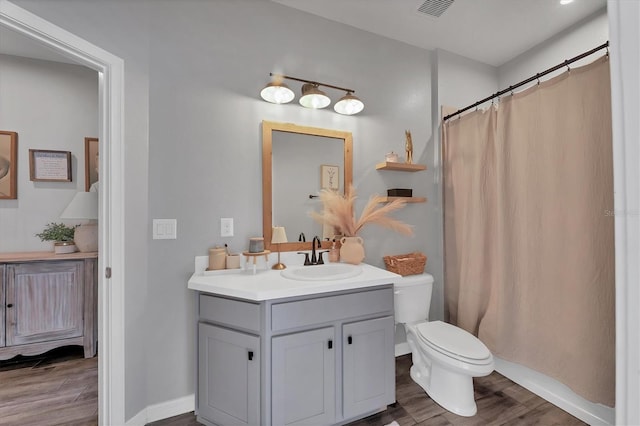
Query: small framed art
{"points": [[329, 177], [49, 166], [8, 165], [91, 161]]}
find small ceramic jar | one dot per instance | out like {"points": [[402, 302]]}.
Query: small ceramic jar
{"points": [[391, 157], [256, 245]]}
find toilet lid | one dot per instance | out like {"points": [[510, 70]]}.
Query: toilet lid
{"points": [[453, 341]]}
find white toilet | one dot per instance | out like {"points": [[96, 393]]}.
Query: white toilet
{"points": [[445, 357]]}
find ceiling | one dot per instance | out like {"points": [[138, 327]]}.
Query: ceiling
{"points": [[489, 31]]}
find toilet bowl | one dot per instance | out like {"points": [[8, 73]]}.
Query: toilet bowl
{"points": [[445, 357]]}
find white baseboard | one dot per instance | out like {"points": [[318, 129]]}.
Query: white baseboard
{"points": [[163, 410], [556, 393]]}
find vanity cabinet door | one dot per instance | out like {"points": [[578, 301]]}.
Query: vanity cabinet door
{"points": [[368, 366], [303, 378], [229, 376], [44, 301]]}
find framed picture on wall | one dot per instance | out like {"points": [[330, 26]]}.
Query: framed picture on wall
{"points": [[91, 161], [49, 166], [329, 177], [8, 165]]}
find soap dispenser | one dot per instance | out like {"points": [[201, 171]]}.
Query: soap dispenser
{"points": [[334, 252]]}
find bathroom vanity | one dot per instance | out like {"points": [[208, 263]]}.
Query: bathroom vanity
{"points": [[283, 351]]}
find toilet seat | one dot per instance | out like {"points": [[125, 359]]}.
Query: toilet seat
{"points": [[453, 342]]}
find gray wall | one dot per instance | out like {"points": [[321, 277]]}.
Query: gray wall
{"points": [[193, 71], [51, 106], [591, 32]]}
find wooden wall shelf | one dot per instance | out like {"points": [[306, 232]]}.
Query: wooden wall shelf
{"points": [[407, 199], [401, 167]]}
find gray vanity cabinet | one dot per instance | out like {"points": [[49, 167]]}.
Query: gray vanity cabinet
{"points": [[368, 377], [303, 378], [229, 364], [304, 370]]}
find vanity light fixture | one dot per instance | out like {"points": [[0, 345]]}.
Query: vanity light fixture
{"points": [[312, 97], [277, 92], [349, 104]]}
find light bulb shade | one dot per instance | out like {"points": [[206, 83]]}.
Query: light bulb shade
{"points": [[312, 97], [278, 235], [84, 205], [349, 104], [277, 93]]}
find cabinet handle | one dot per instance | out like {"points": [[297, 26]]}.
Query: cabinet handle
{"points": [[250, 355], [10, 305], [330, 344], [349, 340]]}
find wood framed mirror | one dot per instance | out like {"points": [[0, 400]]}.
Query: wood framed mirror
{"points": [[296, 162]]}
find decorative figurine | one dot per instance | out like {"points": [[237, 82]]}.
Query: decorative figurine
{"points": [[408, 147]]}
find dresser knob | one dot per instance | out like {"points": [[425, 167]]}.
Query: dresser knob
{"points": [[10, 305]]}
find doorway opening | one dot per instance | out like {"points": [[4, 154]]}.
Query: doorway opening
{"points": [[110, 69]]}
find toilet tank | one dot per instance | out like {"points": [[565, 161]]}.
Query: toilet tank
{"points": [[412, 298]]}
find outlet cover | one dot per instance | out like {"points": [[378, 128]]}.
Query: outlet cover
{"points": [[226, 227]]}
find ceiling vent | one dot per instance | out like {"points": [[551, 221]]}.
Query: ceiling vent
{"points": [[435, 7]]}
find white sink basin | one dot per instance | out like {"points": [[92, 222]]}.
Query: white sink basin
{"points": [[326, 272]]}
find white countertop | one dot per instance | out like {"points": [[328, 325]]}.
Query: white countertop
{"points": [[268, 284]]}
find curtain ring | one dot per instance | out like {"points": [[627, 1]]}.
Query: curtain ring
{"points": [[566, 62], [538, 78], [607, 51]]}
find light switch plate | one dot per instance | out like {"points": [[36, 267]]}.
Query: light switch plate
{"points": [[165, 229], [226, 227]]}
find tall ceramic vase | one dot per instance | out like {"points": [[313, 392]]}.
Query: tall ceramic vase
{"points": [[352, 250]]}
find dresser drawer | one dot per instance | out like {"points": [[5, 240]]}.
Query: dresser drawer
{"points": [[320, 310], [234, 313]]}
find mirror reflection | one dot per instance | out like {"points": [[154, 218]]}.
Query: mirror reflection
{"points": [[299, 161]]}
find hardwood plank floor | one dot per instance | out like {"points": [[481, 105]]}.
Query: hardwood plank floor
{"points": [[59, 387], [500, 402]]}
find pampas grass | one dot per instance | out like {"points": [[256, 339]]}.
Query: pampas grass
{"points": [[339, 213]]}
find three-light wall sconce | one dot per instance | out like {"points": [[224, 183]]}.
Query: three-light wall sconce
{"points": [[277, 92]]}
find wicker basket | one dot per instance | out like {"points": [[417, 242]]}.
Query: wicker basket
{"points": [[406, 264]]}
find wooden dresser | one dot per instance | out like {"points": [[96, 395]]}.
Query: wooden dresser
{"points": [[47, 300]]}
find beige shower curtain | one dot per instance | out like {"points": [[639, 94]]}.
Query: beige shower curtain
{"points": [[529, 230]]}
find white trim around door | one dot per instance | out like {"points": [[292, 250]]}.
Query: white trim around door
{"points": [[110, 68]]}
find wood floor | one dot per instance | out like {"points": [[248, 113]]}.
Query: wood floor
{"points": [[56, 388], [500, 402], [61, 388]]}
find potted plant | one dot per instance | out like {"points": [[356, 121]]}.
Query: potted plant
{"points": [[61, 235]]}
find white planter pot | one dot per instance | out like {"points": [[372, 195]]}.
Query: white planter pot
{"points": [[62, 247]]}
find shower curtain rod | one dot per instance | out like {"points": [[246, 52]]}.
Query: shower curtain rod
{"points": [[530, 79]]}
